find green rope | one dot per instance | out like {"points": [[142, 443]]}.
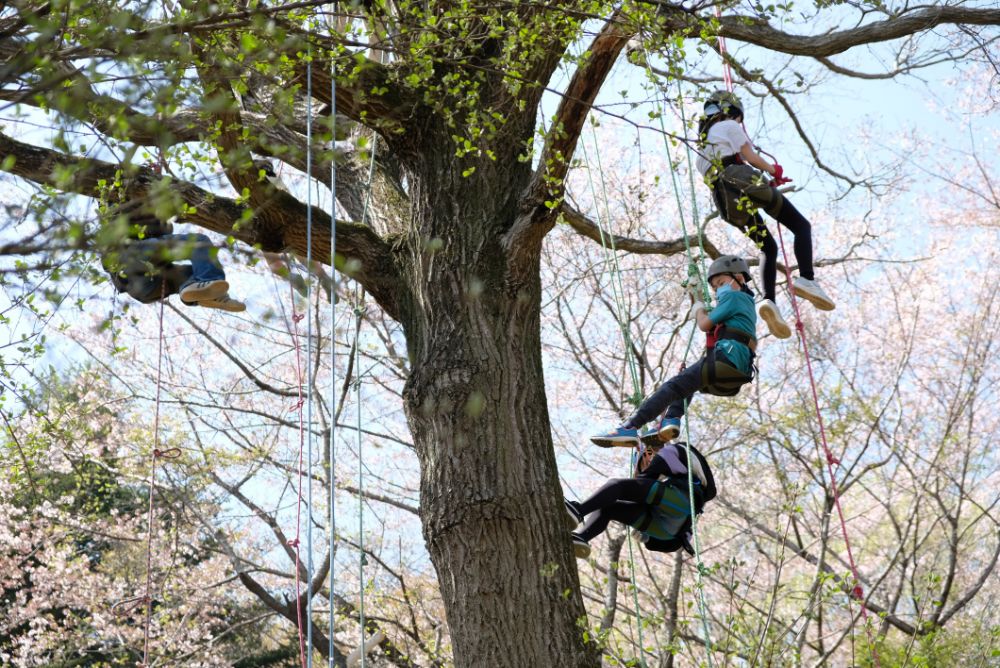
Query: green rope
{"points": [[693, 270], [617, 290], [611, 260]]}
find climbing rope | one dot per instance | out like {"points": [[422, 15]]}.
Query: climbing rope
{"points": [[613, 268], [294, 329], [621, 313], [358, 314], [309, 356], [856, 592], [694, 272], [147, 600], [332, 451], [727, 74]]}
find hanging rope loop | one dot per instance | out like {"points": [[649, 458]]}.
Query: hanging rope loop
{"points": [[169, 453]]}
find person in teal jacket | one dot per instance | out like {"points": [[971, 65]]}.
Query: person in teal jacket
{"points": [[731, 329]]}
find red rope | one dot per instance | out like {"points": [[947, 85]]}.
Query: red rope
{"points": [[727, 75], [294, 329], [856, 591]]}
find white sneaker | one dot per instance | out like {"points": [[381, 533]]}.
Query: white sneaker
{"points": [[581, 549], [202, 290], [811, 292], [775, 323], [224, 303]]}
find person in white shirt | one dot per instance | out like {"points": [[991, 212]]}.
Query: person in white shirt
{"points": [[728, 162]]}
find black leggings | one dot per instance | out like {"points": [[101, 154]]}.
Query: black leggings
{"points": [[619, 499], [796, 223]]}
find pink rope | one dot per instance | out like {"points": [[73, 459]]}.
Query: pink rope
{"points": [[146, 599], [856, 591], [727, 75], [294, 329]]}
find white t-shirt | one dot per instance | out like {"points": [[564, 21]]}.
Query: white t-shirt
{"points": [[724, 138]]}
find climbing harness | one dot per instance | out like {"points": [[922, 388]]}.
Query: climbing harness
{"points": [[720, 378]]}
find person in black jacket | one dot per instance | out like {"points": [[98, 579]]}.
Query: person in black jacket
{"points": [[655, 502], [143, 265]]}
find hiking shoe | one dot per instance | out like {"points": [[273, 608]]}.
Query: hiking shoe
{"points": [[224, 303], [670, 428], [573, 516], [581, 548], [199, 291], [619, 436], [811, 292], [775, 323]]}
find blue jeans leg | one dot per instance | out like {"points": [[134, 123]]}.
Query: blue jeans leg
{"points": [[204, 264], [677, 389]]}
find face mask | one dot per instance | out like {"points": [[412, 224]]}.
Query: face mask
{"points": [[723, 289]]}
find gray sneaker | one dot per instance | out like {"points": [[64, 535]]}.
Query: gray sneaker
{"points": [[199, 291], [811, 292], [580, 547], [224, 303], [775, 323]]}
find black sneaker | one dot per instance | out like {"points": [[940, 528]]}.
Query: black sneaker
{"points": [[573, 516]]}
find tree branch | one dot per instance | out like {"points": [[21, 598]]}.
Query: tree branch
{"points": [[760, 33], [281, 226], [586, 227], [536, 214]]}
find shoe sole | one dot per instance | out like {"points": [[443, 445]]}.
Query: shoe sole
{"points": [[814, 299], [582, 551], [652, 439], [668, 434], [775, 324], [214, 290], [615, 442], [208, 303]]}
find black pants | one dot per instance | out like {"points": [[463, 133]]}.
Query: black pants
{"points": [[755, 228], [619, 499]]}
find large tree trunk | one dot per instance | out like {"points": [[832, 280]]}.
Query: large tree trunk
{"points": [[475, 400]]}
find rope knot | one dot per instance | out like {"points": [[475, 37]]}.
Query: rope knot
{"points": [[858, 593], [831, 460], [297, 317], [169, 453], [799, 325], [298, 405], [293, 543]]}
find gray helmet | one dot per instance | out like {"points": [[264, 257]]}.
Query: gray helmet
{"points": [[723, 102], [729, 264]]}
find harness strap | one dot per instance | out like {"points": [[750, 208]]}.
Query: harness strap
{"points": [[729, 160], [661, 489]]}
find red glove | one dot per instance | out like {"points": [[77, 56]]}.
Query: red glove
{"points": [[779, 176]]}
